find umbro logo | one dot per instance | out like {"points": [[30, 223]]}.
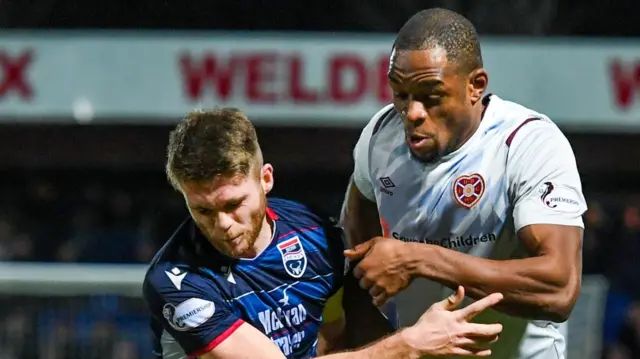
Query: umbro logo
{"points": [[386, 183]]}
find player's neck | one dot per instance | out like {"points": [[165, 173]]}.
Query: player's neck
{"points": [[265, 236], [473, 125]]}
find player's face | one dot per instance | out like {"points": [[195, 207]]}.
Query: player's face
{"points": [[230, 212], [435, 99]]}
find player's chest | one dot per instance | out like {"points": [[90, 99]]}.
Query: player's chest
{"points": [[289, 314], [458, 204], [286, 309]]}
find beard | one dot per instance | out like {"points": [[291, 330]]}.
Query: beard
{"points": [[257, 220], [245, 241]]}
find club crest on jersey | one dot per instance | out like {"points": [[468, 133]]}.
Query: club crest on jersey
{"points": [[293, 257], [468, 189]]}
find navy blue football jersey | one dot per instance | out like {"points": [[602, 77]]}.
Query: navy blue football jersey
{"points": [[198, 297]]}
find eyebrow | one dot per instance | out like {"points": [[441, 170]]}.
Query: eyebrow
{"points": [[225, 202], [392, 78], [429, 82]]}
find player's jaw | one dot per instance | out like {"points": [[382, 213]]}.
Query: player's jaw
{"points": [[426, 137], [430, 142], [252, 239]]}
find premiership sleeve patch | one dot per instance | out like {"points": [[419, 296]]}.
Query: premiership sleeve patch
{"points": [[559, 198], [189, 314]]}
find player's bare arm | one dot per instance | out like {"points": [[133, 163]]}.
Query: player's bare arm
{"points": [[441, 331], [360, 222], [544, 286], [547, 283]]}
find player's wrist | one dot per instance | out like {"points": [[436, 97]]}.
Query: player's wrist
{"points": [[409, 337], [416, 256]]}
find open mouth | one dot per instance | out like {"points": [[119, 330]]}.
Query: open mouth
{"points": [[417, 140]]}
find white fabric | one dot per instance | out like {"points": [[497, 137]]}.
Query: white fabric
{"points": [[473, 201]]}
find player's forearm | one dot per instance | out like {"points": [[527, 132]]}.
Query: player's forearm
{"points": [[360, 217], [392, 347], [532, 287]]}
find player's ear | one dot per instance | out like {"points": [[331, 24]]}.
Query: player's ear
{"points": [[266, 178], [478, 82]]}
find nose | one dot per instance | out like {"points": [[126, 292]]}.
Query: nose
{"points": [[224, 221], [416, 111]]}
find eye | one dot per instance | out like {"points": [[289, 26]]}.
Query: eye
{"points": [[431, 100], [401, 95], [230, 206], [203, 211]]}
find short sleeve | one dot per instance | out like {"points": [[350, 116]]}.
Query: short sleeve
{"points": [[361, 172], [543, 177], [189, 309]]}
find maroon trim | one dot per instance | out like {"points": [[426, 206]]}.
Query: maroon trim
{"points": [[381, 120], [513, 134]]}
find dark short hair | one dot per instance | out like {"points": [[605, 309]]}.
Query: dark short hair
{"points": [[446, 29], [206, 144]]}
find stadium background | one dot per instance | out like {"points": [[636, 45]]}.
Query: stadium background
{"points": [[89, 91]]}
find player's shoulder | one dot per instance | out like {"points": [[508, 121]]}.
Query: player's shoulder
{"points": [[307, 223], [522, 125], [181, 295], [380, 120], [175, 282], [173, 250], [169, 275], [383, 119], [297, 215], [172, 268]]}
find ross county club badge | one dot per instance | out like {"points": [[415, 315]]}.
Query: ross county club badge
{"points": [[294, 258]]}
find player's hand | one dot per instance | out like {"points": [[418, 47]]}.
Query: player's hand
{"points": [[382, 269], [443, 331]]}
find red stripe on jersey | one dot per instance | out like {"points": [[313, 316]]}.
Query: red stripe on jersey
{"points": [[219, 339], [298, 231], [271, 214], [288, 243], [513, 134]]}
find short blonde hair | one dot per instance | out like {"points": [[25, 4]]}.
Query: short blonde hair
{"points": [[207, 144]]}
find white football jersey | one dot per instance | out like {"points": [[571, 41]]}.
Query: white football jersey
{"points": [[517, 169]]}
